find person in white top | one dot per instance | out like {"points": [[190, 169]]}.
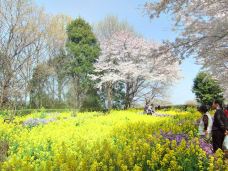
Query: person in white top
{"points": [[149, 110], [205, 125]]}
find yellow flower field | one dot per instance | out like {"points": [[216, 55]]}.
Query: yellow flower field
{"points": [[121, 140]]}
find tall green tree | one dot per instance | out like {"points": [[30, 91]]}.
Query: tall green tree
{"points": [[83, 49], [206, 89]]}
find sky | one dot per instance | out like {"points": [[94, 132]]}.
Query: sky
{"points": [[131, 11]]}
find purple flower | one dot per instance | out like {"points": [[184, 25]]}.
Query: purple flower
{"points": [[177, 137], [207, 147]]}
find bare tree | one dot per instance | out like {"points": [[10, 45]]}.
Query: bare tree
{"points": [[22, 29], [57, 37], [110, 25], [28, 37]]}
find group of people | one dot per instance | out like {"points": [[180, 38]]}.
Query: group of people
{"points": [[149, 109], [215, 128], [210, 128]]}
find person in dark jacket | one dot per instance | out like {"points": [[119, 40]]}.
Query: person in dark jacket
{"points": [[219, 127]]}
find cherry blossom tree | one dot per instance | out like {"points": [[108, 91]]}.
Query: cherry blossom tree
{"points": [[132, 60], [203, 27], [104, 30]]}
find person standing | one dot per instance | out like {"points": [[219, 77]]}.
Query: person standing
{"points": [[205, 125], [219, 127], [149, 110], [145, 108], [153, 108]]}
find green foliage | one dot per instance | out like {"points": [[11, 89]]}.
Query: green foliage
{"points": [[59, 64], [83, 49], [92, 102], [8, 115], [43, 114], [83, 46], [37, 84], [118, 96], [191, 109], [206, 89]]}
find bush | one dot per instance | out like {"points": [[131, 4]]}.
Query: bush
{"points": [[191, 109], [91, 103]]}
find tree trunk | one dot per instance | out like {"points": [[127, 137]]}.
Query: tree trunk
{"points": [[60, 89], [40, 96], [53, 90], [127, 98], [77, 91], [109, 95], [5, 93]]}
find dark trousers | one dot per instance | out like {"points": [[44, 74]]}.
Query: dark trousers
{"points": [[217, 139]]}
